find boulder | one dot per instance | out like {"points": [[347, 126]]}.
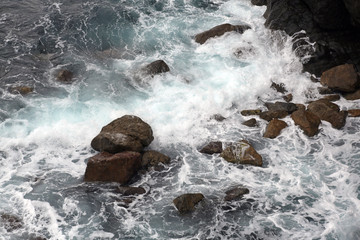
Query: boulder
{"points": [[186, 203], [354, 112], [156, 67], [64, 76], [352, 96], [329, 112], [23, 90], [219, 31], [250, 123], [341, 78], [325, 90], [236, 193], [250, 112], [270, 115], [242, 153], [258, 2], [288, 97], [128, 133], [281, 106], [10, 222], [301, 106], [107, 167], [274, 128], [130, 191], [153, 158], [307, 121], [212, 147], [331, 98]]}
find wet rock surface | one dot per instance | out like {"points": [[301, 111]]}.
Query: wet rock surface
{"points": [[212, 148], [274, 128], [156, 67], [153, 158], [341, 78], [250, 123], [270, 115], [130, 191], [186, 203], [10, 222], [242, 153], [307, 121], [219, 31], [236, 193]]}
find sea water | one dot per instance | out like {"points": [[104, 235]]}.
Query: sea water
{"points": [[308, 188]]}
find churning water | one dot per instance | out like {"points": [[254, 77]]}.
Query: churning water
{"points": [[308, 188]]}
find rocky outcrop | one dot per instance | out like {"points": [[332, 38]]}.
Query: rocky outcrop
{"points": [[186, 203], [307, 121], [156, 67], [242, 153], [329, 112], [341, 78], [270, 115], [107, 167], [64, 76], [128, 133], [281, 106], [250, 123], [153, 158], [212, 148], [219, 31], [236, 193], [274, 128], [250, 112]]}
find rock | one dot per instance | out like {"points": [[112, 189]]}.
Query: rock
{"points": [[218, 117], [331, 98], [153, 158], [64, 76], [186, 203], [251, 112], [10, 222], [236, 193], [23, 90], [307, 121], [354, 112], [107, 167], [156, 67], [279, 106], [219, 31], [352, 96], [278, 87], [258, 2], [329, 112], [129, 191], [353, 6], [212, 147], [250, 123], [242, 153], [128, 133], [274, 128], [325, 90], [300, 106], [341, 78], [288, 97], [270, 115]]}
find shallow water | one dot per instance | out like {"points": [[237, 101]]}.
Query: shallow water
{"points": [[308, 188]]}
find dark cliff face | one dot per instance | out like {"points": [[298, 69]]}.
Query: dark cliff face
{"points": [[333, 24]]}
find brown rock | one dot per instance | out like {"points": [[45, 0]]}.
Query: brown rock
{"points": [[128, 133], [352, 96], [270, 115], [281, 106], [300, 106], [186, 203], [278, 87], [331, 98], [212, 147], [307, 121], [250, 112], [242, 153], [288, 97], [23, 90], [354, 112], [153, 158], [236, 193], [129, 191], [250, 123], [64, 76], [156, 67], [219, 31], [325, 90], [329, 112], [274, 128], [341, 78], [107, 167], [10, 222]]}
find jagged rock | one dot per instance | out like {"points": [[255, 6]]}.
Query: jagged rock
{"points": [[307, 121], [274, 128], [64, 76], [219, 31], [288, 97], [354, 112], [270, 115], [156, 67], [352, 96], [278, 87], [325, 90], [153, 158], [212, 147], [128, 133], [236, 193], [329, 112], [341, 78], [242, 153], [331, 98], [23, 90], [250, 112], [278, 106], [186, 203], [218, 117], [10, 222], [250, 123], [107, 167], [129, 191], [258, 2]]}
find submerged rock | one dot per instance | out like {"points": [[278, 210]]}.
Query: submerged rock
{"points": [[64, 76], [236, 193], [129, 191], [218, 117], [250, 112], [281, 106], [10, 222], [212, 147], [153, 158], [186, 203], [107, 167], [341, 78], [250, 123], [242, 153], [156, 67], [219, 31], [23, 90], [279, 87], [274, 128], [270, 115], [307, 121], [128, 133]]}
